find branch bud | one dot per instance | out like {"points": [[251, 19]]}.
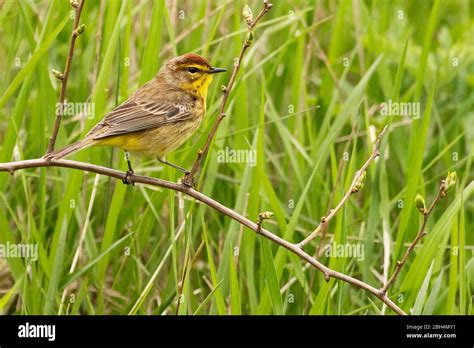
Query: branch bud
{"points": [[57, 74], [74, 3], [265, 215], [248, 15], [359, 185], [420, 204], [450, 181], [249, 39], [80, 29], [267, 5]]}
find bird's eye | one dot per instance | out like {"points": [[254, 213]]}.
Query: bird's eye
{"points": [[192, 69]]}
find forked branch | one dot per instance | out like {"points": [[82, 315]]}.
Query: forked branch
{"points": [[328, 273], [444, 187]]}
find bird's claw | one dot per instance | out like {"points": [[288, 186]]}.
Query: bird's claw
{"points": [[189, 181], [126, 179]]}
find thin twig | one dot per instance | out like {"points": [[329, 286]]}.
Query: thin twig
{"points": [[336, 183], [331, 198], [189, 178], [332, 212], [328, 273], [441, 193], [64, 76]]}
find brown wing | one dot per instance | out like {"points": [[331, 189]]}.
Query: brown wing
{"points": [[133, 116]]}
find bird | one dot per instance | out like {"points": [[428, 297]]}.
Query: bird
{"points": [[158, 117]]}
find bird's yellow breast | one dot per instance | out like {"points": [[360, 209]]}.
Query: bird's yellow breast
{"points": [[200, 86]]}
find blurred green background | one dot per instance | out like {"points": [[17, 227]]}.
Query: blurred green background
{"points": [[307, 101]]}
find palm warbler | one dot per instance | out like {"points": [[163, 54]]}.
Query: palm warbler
{"points": [[159, 117]]}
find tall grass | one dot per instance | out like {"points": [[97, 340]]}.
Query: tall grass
{"points": [[314, 69]]}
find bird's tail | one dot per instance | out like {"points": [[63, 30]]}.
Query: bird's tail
{"points": [[70, 149]]}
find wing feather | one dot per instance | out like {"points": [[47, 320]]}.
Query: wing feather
{"points": [[133, 116]]}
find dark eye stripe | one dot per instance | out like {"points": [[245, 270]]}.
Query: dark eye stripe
{"points": [[192, 69]]}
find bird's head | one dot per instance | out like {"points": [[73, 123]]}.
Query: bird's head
{"points": [[190, 72]]}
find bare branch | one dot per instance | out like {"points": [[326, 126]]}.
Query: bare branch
{"points": [[353, 135], [189, 178], [76, 31], [426, 214], [352, 189], [328, 273]]}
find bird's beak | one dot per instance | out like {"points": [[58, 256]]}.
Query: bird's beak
{"points": [[216, 70]]}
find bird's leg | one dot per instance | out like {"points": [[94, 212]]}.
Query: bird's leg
{"points": [[126, 179], [162, 160]]}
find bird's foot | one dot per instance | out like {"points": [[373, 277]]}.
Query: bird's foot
{"points": [[188, 181], [126, 179]]}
